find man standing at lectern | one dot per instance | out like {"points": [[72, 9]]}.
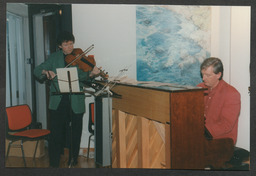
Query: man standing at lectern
{"points": [[221, 102]]}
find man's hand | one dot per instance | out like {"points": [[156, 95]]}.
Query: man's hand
{"points": [[49, 74], [95, 72]]}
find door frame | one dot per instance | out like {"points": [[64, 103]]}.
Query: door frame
{"points": [[21, 10]]}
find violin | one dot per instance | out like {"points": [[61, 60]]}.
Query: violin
{"points": [[85, 63]]}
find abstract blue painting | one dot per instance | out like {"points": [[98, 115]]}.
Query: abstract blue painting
{"points": [[172, 42]]}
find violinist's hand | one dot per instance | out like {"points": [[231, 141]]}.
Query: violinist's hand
{"points": [[50, 74], [95, 72]]}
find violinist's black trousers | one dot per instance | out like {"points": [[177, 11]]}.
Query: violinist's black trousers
{"points": [[60, 135]]}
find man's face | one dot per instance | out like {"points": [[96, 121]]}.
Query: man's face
{"points": [[210, 79], [67, 47]]}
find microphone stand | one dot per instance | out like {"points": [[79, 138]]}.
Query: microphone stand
{"points": [[110, 125], [106, 90]]}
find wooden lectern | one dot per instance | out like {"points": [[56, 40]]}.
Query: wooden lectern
{"points": [[163, 127]]}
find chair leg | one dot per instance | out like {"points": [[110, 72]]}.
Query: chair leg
{"points": [[34, 157], [23, 155], [8, 150], [88, 149], [35, 150]]}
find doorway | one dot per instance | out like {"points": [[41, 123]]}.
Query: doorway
{"points": [[47, 20], [44, 45], [18, 61]]}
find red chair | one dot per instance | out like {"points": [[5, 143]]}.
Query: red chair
{"points": [[90, 126], [19, 121]]}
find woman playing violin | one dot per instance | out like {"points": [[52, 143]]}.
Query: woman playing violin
{"points": [[59, 104]]}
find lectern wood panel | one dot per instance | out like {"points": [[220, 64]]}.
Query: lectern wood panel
{"points": [[137, 142]]}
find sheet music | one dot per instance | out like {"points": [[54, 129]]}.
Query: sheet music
{"points": [[62, 74]]}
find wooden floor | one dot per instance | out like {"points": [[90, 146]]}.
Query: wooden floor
{"points": [[83, 162], [43, 162]]}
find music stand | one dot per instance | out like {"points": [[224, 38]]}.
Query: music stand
{"points": [[68, 80], [68, 83]]}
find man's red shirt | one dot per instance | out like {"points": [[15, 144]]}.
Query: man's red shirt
{"points": [[222, 109]]}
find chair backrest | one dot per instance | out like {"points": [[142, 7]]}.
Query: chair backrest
{"points": [[91, 117], [19, 117]]}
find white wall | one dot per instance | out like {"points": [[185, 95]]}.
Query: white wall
{"points": [[111, 28], [240, 54]]}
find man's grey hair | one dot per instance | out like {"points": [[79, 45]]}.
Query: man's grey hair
{"points": [[216, 63]]}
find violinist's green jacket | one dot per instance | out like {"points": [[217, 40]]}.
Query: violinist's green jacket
{"points": [[57, 60]]}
